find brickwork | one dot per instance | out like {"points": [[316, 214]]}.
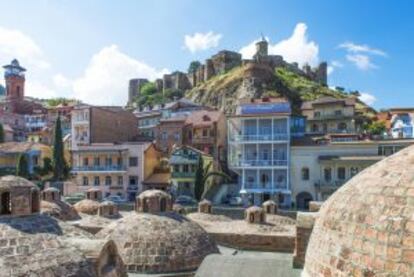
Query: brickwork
{"points": [[304, 227], [255, 215], [366, 228], [204, 206], [108, 209], [270, 207], [315, 206], [153, 201], [50, 194]]}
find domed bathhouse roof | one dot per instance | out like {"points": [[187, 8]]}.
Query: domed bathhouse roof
{"points": [[87, 206], [108, 209], [366, 228], [52, 205], [161, 241], [37, 244]]}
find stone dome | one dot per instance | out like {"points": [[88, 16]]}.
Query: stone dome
{"points": [[270, 207], [255, 214], [153, 201], [87, 206], [59, 209], [108, 209], [366, 228], [204, 206], [159, 243]]}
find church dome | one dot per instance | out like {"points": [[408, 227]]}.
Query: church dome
{"points": [[158, 241], [366, 228]]}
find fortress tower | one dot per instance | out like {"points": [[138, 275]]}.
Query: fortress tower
{"points": [[261, 48], [14, 76]]}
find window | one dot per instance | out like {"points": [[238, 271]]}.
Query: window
{"points": [[176, 168], [85, 161], [315, 128], [133, 161], [96, 161], [338, 112], [328, 174], [108, 161], [35, 160], [164, 135], [185, 168], [342, 126], [176, 135], [354, 171], [264, 179], [205, 133], [317, 114], [305, 174], [120, 180], [108, 180], [133, 180], [5, 203], [280, 179], [85, 181], [119, 161], [341, 173], [96, 181]]}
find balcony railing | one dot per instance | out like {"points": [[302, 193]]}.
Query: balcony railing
{"points": [[242, 163], [132, 188], [201, 140], [99, 168], [330, 184], [182, 174], [261, 137], [267, 186], [329, 116]]}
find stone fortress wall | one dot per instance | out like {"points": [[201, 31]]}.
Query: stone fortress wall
{"points": [[223, 62]]}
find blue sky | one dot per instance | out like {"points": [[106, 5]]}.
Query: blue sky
{"points": [[89, 49]]}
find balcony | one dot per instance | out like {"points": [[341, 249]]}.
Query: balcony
{"points": [[182, 174], [132, 188], [330, 116], [260, 137], [107, 168], [329, 184], [258, 163], [203, 140], [268, 187]]}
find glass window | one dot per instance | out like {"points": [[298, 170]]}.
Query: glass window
{"points": [[328, 174], [341, 173], [108, 161], [96, 181], [176, 168], [85, 161], [305, 173], [120, 180], [354, 171], [185, 168], [96, 161], [205, 132], [108, 180], [133, 180], [133, 161], [85, 181]]}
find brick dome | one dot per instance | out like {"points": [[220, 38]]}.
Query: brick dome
{"points": [[159, 243], [59, 209], [366, 228], [87, 206]]}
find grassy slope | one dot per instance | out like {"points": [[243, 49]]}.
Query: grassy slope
{"points": [[284, 83]]}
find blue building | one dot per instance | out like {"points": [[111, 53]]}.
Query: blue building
{"points": [[259, 143]]}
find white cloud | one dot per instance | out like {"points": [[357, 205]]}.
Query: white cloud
{"points": [[38, 89], [297, 48], [367, 98], [60, 81], [334, 65], [16, 44], [105, 80], [363, 62], [201, 41], [362, 48]]}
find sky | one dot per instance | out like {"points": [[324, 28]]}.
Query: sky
{"points": [[89, 49]]}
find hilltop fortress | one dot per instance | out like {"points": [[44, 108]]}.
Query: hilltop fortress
{"points": [[221, 63]]}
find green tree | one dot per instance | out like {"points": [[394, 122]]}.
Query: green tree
{"points": [[194, 65], [58, 161], [376, 128], [202, 174], [22, 167], [1, 133], [148, 89]]}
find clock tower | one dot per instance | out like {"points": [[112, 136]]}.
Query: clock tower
{"points": [[14, 76]]}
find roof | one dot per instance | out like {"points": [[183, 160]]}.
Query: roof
{"points": [[150, 243], [350, 158], [203, 118], [158, 178], [374, 209], [10, 181], [264, 106], [153, 193], [326, 100], [19, 147]]}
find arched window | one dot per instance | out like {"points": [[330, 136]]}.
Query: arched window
{"points": [[5, 203], [305, 173], [328, 174]]}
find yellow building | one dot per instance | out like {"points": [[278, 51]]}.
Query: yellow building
{"points": [[10, 152]]}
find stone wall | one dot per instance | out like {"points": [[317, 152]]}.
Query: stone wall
{"points": [[304, 227], [256, 242]]}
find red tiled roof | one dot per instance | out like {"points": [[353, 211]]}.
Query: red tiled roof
{"points": [[203, 118]]}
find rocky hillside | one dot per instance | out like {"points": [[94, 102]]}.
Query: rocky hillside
{"points": [[253, 80]]}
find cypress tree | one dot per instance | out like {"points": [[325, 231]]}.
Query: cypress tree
{"points": [[1, 133], [198, 179], [58, 160], [22, 167]]}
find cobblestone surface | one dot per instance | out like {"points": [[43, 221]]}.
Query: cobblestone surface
{"points": [[366, 228]]}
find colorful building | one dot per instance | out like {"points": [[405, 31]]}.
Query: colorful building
{"points": [[258, 142], [183, 162]]}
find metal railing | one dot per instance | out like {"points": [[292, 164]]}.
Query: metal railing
{"points": [[261, 137], [100, 168], [241, 163], [182, 174]]}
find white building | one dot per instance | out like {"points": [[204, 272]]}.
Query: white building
{"points": [[258, 142], [319, 168]]}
